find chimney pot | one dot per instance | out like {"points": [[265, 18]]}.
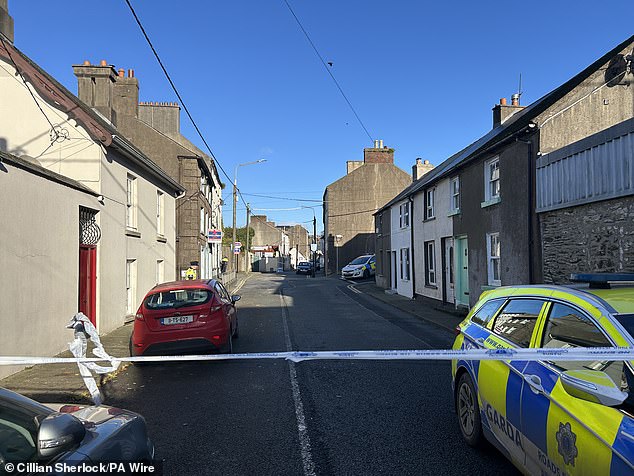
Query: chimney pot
{"points": [[376, 144], [86, 63], [418, 160], [426, 162], [515, 99], [103, 63], [502, 101], [121, 72], [130, 73], [380, 143]]}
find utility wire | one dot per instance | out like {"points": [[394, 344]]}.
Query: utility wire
{"points": [[156, 55], [327, 69]]}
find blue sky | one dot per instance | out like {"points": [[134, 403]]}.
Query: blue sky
{"points": [[423, 77]]}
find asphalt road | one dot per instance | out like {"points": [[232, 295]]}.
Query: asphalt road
{"points": [[308, 418]]}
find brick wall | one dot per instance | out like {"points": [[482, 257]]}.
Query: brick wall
{"points": [[597, 237]]}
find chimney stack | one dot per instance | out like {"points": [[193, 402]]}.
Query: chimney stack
{"points": [[126, 94], [502, 111], [379, 154], [163, 116], [421, 168], [95, 87], [6, 21]]}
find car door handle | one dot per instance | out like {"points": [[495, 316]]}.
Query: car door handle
{"points": [[535, 383]]}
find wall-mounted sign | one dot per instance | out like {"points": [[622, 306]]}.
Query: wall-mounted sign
{"points": [[214, 236]]}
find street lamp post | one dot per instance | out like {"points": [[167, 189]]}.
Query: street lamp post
{"points": [[235, 203]]}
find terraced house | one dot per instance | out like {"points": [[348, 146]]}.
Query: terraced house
{"points": [[547, 192]]}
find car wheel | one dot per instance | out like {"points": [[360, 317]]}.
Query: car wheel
{"points": [[228, 349], [468, 411], [366, 274]]}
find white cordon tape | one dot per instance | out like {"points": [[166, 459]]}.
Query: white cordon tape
{"points": [[572, 354]]}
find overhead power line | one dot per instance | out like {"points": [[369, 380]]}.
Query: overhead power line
{"points": [[328, 70], [180, 98]]}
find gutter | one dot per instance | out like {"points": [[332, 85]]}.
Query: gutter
{"points": [[413, 274], [141, 159]]}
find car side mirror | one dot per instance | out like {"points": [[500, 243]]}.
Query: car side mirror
{"points": [[235, 298], [592, 386], [58, 433]]}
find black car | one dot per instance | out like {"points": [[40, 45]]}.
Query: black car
{"points": [[47, 435], [304, 267]]}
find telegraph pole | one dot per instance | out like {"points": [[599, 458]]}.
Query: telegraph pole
{"points": [[315, 243], [235, 203], [246, 249]]}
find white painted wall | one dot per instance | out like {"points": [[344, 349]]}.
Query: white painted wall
{"points": [[440, 227], [39, 264], [25, 130], [401, 238]]}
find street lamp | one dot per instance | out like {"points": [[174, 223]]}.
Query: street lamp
{"points": [[338, 239], [235, 204]]}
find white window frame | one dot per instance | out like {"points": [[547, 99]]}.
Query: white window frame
{"points": [[493, 259], [131, 202], [430, 263], [492, 179], [404, 255], [202, 220], [454, 191], [404, 215], [130, 285], [430, 195], [160, 213]]}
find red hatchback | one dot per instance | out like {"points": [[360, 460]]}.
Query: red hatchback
{"points": [[185, 316]]}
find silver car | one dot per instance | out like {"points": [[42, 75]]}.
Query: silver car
{"points": [[32, 432]]}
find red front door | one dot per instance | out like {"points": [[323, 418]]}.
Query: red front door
{"points": [[88, 281]]}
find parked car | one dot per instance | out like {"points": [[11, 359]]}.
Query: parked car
{"points": [[304, 267], [71, 434], [556, 417], [185, 316], [360, 267]]}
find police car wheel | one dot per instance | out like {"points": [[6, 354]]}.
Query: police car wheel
{"points": [[468, 411], [366, 273]]}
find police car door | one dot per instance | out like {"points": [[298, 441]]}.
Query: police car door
{"points": [[566, 434]]}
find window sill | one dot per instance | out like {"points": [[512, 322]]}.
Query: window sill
{"points": [[133, 233], [490, 287], [161, 238], [454, 213], [429, 219], [431, 286], [488, 203]]}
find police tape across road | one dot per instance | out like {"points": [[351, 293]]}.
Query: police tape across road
{"points": [[84, 330], [569, 354]]}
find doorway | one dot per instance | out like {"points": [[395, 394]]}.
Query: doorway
{"points": [[88, 282], [448, 270], [394, 271], [462, 271]]}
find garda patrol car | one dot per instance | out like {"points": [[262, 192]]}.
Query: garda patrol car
{"points": [[360, 267], [560, 417]]}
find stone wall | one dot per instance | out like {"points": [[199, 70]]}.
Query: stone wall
{"points": [[597, 237]]}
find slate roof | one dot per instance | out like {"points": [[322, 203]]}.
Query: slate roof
{"points": [[514, 124]]}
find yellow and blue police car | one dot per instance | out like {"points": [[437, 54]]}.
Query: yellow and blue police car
{"points": [[551, 417]]}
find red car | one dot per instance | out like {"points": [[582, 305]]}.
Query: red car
{"points": [[185, 316]]}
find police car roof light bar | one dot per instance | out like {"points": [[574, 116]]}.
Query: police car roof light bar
{"points": [[601, 280]]}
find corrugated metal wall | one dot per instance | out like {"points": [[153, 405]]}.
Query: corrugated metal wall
{"points": [[597, 168]]}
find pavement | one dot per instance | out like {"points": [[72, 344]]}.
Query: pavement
{"points": [[62, 383]]}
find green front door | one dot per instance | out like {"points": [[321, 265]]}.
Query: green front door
{"points": [[462, 271]]}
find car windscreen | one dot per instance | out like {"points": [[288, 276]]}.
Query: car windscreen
{"points": [[175, 298], [627, 321], [304, 263], [360, 260]]}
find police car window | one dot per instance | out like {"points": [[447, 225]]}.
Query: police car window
{"points": [[487, 311], [567, 327], [517, 320]]}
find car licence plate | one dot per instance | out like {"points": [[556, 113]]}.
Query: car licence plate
{"points": [[168, 321]]}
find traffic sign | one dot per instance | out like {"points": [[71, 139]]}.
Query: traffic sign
{"points": [[237, 244]]}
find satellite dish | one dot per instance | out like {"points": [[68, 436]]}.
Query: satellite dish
{"points": [[615, 72]]}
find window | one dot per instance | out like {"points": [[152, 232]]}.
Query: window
{"points": [[130, 285], [404, 214], [202, 220], [160, 271], [429, 203], [487, 311], [131, 202], [430, 264], [160, 213], [517, 320], [454, 188], [492, 179], [493, 258], [405, 264]]}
